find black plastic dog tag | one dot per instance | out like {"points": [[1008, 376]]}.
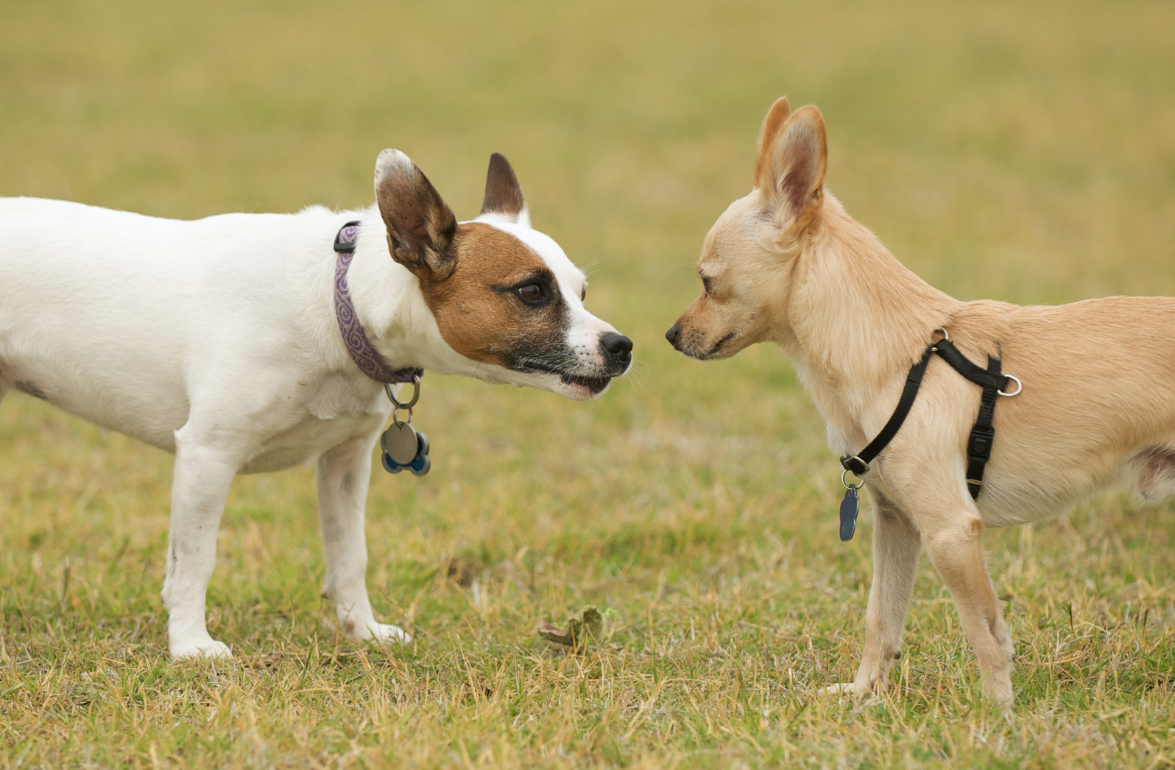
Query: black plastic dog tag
{"points": [[848, 514]]}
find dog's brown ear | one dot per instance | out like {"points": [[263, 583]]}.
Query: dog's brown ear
{"points": [[503, 201], [793, 167], [776, 116], [421, 227]]}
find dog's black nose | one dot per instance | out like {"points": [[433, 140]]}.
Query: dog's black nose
{"points": [[671, 335], [617, 346]]}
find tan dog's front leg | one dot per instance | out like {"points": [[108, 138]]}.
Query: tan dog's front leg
{"points": [[896, 546], [956, 550]]}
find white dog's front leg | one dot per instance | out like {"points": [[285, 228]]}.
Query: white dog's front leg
{"points": [[199, 489], [343, 476]]}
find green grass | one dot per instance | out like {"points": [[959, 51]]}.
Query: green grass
{"points": [[1006, 150]]}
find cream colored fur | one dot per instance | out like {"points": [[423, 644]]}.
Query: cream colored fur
{"points": [[786, 264]]}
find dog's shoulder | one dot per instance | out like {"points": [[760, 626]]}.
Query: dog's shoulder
{"points": [[980, 327]]}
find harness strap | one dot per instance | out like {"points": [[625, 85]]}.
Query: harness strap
{"points": [[982, 433], [982, 437], [858, 464], [960, 363]]}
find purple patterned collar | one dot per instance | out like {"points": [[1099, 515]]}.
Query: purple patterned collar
{"points": [[354, 338]]}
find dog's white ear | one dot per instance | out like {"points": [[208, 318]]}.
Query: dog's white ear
{"points": [[421, 227], [503, 201], [791, 167]]}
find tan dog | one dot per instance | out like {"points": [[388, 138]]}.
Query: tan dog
{"points": [[786, 264]]}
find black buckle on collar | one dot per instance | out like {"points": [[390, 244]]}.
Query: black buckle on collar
{"points": [[346, 237]]}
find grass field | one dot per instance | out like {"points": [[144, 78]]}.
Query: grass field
{"points": [[1016, 151]]}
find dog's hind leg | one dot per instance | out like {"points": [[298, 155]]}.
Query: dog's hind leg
{"points": [[202, 479], [896, 547], [955, 546], [343, 475]]}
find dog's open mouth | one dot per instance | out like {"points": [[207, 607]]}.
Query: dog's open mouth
{"points": [[594, 384]]}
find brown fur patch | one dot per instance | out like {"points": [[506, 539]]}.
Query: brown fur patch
{"points": [[476, 310]]}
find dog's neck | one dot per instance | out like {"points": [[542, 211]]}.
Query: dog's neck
{"points": [[390, 307], [857, 319]]}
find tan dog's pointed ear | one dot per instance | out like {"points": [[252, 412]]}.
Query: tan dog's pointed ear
{"points": [[776, 117], [503, 200], [421, 227], [793, 166]]}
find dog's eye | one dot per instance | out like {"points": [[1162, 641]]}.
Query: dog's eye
{"points": [[583, 294], [531, 293]]}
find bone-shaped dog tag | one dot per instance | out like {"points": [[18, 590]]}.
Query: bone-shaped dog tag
{"points": [[400, 442], [404, 447]]}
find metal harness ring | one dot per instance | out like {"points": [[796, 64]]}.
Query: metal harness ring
{"points": [[415, 394], [847, 485], [1019, 386]]}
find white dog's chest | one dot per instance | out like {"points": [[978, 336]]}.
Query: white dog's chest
{"points": [[309, 439], [331, 412]]}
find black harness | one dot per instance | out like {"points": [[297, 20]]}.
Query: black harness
{"points": [[978, 444]]}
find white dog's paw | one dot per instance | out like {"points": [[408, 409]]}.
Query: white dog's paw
{"points": [[842, 688], [202, 649], [382, 633]]}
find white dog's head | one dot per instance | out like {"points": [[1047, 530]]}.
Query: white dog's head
{"points": [[503, 295]]}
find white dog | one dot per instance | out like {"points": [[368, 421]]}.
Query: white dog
{"points": [[219, 340]]}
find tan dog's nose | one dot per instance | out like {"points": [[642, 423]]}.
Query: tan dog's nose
{"points": [[671, 335]]}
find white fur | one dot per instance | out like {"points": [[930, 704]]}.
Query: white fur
{"points": [[216, 339]]}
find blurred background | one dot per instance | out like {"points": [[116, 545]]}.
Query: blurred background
{"points": [[1023, 152]]}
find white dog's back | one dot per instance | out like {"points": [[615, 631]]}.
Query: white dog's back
{"points": [[88, 294]]}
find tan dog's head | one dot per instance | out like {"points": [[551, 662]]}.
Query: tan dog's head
{"points": [[506, 301], [749, 254]]}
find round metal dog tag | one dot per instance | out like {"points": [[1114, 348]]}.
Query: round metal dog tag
{"points": [[399, 441]]}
